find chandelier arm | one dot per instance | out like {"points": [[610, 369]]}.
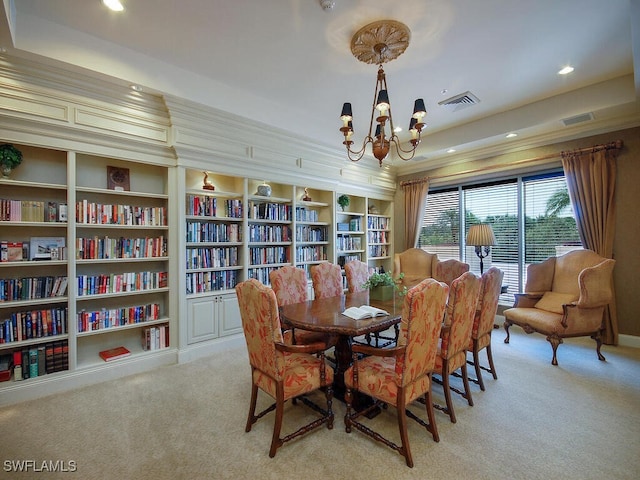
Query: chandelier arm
{"points": [[357, 155], [399, 150]]}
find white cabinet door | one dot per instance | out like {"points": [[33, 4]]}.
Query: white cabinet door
{"points": [[203, 319], [230, 321]]}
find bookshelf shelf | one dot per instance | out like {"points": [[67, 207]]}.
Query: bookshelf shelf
{"points": [[108, 330]]}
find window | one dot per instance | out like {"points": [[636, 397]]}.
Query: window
{"points": [[546, 225]]}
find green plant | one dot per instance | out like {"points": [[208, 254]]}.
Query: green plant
{"points": [[10, 156], [343, 201], [385, 279]]}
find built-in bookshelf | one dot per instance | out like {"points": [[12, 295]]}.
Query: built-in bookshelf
{"points": [[379, 231], [121, 280], [312, 230], [350, 232], [270, 214], [34, 287]]}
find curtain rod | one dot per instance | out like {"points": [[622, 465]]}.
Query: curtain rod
{"points": [[605, 146]]}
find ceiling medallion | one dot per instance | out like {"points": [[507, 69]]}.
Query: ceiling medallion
{"points": [[380, 42]]}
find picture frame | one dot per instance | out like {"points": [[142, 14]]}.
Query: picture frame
{"points": [[46, 248], [118, 178]]}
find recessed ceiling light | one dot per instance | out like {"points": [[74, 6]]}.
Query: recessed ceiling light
{"points": [[136, 88], [566, 70], [114, 5], [444, 91], [451, 150], [511, 135], [397, 129]]}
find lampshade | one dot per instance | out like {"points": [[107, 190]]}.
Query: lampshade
{"points": [[481, 235], [346, 110], [383, 100], [419, 109]]}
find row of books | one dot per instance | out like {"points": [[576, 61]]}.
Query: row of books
{"points": [[306, 233], [105, 248], [345, 243], [213, 232], [156, 337], [377, 237], [31, 288], [343, 259], [266, 255], [37, 248], [40, 360], [104, 318], [207, 206], [120, 282], [212, 257], [261, 274], [32, 211], [311, 253], [269, 233], [306, 215], [201, 282], [378, 223], [107, 214], [378, 251], [29, 324], [270, 211]]}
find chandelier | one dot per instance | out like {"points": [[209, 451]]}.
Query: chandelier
{"points": [[380, 42]]}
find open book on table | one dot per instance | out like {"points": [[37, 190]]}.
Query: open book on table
{"points": [[365, 311]]}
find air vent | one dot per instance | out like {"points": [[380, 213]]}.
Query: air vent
{"points": [[584, 117], [459, 102]]}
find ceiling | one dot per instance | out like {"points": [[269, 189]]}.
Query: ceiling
{"points": [[288, 63]]}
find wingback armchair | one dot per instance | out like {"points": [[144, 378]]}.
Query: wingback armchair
{"points": [[416, 264], [564, 297]]}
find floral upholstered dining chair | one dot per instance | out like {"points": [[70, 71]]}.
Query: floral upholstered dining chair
{"points": [[455, 338], [397, 376], [280, 370], [290, 286], [357, 274], [491, 285], [327, 280]]}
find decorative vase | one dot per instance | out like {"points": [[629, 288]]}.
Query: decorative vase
{"points": [[6, 170], [382, 293], [264, 190]]}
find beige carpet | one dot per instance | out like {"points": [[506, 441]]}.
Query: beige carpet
{"points": [[580, 420]]}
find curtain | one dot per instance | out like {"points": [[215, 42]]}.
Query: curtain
{"points": [[415, 201], [591, 180]]}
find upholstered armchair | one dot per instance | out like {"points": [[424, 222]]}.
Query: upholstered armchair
{"points": [[455, 338], [490, 287], [290, 286], [397, 376], [357, 274], [327, 280], [448, 270], [280, 370], [415, 264], [564, 297]]}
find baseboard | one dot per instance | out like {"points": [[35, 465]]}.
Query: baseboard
{"points": [[629, 341], [204, 349]]}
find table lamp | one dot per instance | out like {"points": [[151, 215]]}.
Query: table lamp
{"points": [[481, 236]]}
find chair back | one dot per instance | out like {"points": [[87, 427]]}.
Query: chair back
{"points": [[289, 284], [261, 325], [327, 280], [490, 287], [415, 264], [422, 315], [357, 274], [461, 310], [448, 270]]}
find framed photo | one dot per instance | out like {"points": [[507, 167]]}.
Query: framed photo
{"points": [[46, 248], [117, 178]]}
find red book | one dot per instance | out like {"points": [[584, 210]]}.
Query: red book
{"points": [[114, 354]]}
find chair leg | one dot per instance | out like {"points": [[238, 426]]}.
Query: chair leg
{"points": [[555, 341], [476, 364], [491, 365], [348, 398], [428, 403], [252, 407], [277, 425], [405, 449], [447, 394], [465, 381], [598, 338], [506, 326]]}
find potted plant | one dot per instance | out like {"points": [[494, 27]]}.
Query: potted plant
{"points": [[343, 201], [382, 286], [10, 158]]}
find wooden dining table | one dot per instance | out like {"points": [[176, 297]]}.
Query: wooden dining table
{"points": [[325, 316]]}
